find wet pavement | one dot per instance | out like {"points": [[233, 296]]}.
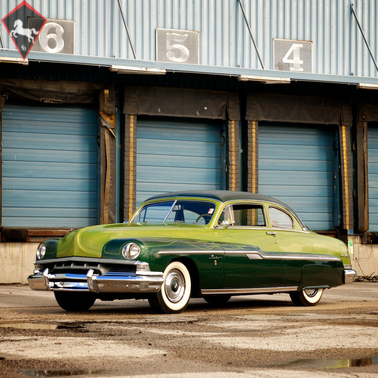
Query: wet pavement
{"points": [[255, 336]]}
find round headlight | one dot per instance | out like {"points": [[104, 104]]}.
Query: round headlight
{"points": [[131, 251], [41, 251]]}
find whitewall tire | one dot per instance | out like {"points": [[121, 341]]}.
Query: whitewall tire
{"points": [[175, 292], [309, 297]]}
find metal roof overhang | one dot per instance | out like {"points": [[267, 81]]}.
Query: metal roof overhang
{"points": [[133, 66]]}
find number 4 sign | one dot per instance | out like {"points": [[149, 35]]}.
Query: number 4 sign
{"points": [[291, 55]]}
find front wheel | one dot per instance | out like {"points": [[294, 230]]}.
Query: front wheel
{"points": [[308, 297], [71, 301], [175, 292]]}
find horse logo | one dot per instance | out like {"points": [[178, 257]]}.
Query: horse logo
{"points": [[23, 25], [20, 30]]}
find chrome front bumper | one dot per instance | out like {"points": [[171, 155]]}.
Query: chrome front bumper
{"points": [[140, 282]]}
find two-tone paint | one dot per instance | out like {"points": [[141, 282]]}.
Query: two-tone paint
{"points": [[221, 259]]}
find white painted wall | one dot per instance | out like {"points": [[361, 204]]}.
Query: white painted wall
{"points": [[364, 258], [16, 262]]}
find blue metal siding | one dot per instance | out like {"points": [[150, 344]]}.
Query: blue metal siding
{"points": [[296, 166], [338, 46], [175, 155], [373, 177], [49, 166]]}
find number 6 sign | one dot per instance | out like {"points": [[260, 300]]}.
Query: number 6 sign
{"points": [[56, 37], [177, 46]]}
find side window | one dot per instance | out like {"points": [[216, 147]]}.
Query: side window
{"points": [[248, 215], [280, 218]]}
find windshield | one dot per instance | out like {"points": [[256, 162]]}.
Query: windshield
{"points": [[176, 211]]}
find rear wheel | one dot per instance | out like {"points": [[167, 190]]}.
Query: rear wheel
{"points": [[175, 292], [308, 297], [71, 301]]}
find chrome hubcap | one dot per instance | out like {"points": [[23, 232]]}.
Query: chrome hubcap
{"points": [[174, 286], [311, 292]]}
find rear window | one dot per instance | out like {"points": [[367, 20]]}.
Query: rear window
{"points": [[280, 219]]}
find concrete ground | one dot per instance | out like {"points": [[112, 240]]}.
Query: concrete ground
{"points": [[251, 336]]}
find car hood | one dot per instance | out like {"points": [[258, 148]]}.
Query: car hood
{"points": [[89, 241]]}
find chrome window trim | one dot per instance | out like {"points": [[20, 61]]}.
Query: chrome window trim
{"points": [[170, 210], [275, 229]]}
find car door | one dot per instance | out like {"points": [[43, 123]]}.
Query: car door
{"points": [[292, 243], [251, 259]]}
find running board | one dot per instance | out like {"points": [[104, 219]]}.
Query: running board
{"points": [[263, 290]]}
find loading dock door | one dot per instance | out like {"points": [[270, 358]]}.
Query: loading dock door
{"points": [[178, 155], [373, 177], [49, 166], [296, 165]]}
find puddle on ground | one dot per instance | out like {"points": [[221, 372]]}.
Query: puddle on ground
{"points": [[59, 373], [334, 364], [40, 326]]}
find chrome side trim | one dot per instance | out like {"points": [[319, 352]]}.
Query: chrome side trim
{"points": [[210, 252], [266, 290], [309, 256], [349, 275], [256, 255]]}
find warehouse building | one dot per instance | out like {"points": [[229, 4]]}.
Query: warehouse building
{"points": [[118, 100]]}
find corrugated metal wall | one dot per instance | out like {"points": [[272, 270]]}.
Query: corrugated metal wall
{"points": [[338, 46], [296, 165], [50, 166], [178, 155]]}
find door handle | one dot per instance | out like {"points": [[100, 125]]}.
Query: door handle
{"points": [[272, 233]]}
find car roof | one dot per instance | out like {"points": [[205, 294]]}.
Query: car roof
{"points": [[219, 195], [225, 196]]}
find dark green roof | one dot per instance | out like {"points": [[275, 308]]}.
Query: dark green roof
{"points": [[219, 195], [224, 196]]}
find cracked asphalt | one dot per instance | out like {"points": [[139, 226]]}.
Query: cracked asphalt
{"points": [[251, 336]]}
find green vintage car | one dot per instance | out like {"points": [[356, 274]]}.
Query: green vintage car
{"points": [[211, 244]]}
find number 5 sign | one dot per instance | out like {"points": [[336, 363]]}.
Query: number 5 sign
{"points": [[177, 46], [291, 55]]}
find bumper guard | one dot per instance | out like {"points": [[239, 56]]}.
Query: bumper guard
{"points": [[349, 275]]}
